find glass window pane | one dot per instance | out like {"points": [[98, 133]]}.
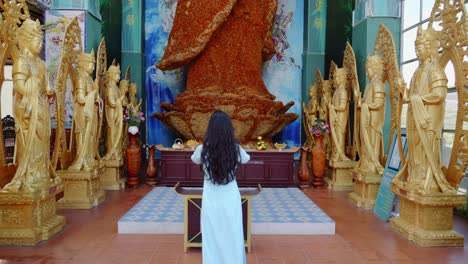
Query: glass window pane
{"points": [[450, 72], [409, 37], [411, 10], [447, 144], [7, 93], [451, 106], [427, 8], [404, 111], [408, 70]]}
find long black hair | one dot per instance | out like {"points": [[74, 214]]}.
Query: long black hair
{"points": [[220, 149]]}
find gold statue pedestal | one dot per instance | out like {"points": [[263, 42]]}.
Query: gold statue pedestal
{"points": [[82, 188], [342, 175], [427, 219], [113, 179], [28, 218], [365, 191]]}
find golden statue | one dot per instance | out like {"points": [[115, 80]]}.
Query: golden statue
{"points": [[114, 113], [85, 117], [339, 115], [325, 100], [310, 113], [425, 116], [32, 113], [325, 94], [372, 116], [261, 145], [132, 97], [28, 199], [426, 189]]}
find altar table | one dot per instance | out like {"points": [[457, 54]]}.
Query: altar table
{"points": [[192, 212], [270, 168]]}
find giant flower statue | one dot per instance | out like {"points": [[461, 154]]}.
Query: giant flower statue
{"points": [[224, 44]]}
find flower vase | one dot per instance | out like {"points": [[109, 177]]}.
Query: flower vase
{"points": [[303, 172], [152, 169], [133, 155], [319, 154]]}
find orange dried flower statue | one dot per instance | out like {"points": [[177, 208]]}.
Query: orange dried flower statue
{"points": [[224, 44]]}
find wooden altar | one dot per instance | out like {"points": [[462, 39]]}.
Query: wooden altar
{"points": [[270, 168], [192, 213]]}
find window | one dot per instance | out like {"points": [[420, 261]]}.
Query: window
{"points": [[7, 93]]}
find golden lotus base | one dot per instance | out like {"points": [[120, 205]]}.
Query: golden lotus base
{"points": [[365, 191], [82, 189], [427, 219], [112, 179], [29, 218], [342, 175]]}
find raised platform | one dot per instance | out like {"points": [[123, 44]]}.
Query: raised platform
{"points": [[274, 211]]}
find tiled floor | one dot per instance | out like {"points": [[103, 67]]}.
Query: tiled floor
{"points": [[90, 236]]}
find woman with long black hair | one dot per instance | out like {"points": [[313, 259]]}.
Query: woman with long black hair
{"points": [[221, 217]]}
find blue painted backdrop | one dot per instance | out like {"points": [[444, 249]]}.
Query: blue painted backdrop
{"points": [[282, 75]]}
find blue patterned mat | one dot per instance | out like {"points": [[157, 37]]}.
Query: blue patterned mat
{"points": [[274, 211]]}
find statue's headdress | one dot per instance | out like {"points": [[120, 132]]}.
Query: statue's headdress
{"points": [[87, 57], [375, 61], [114, 68], [427, 36], [31, 28]]}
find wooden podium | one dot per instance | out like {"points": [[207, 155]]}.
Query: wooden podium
{"points": [[192, 213]]}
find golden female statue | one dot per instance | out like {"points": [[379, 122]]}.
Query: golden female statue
{"points": [[310, 113], [339, 115], [372, 120], [325, 99], [32, 113], [114, 114], [427, 93], [132, 97], [85, 117]]}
